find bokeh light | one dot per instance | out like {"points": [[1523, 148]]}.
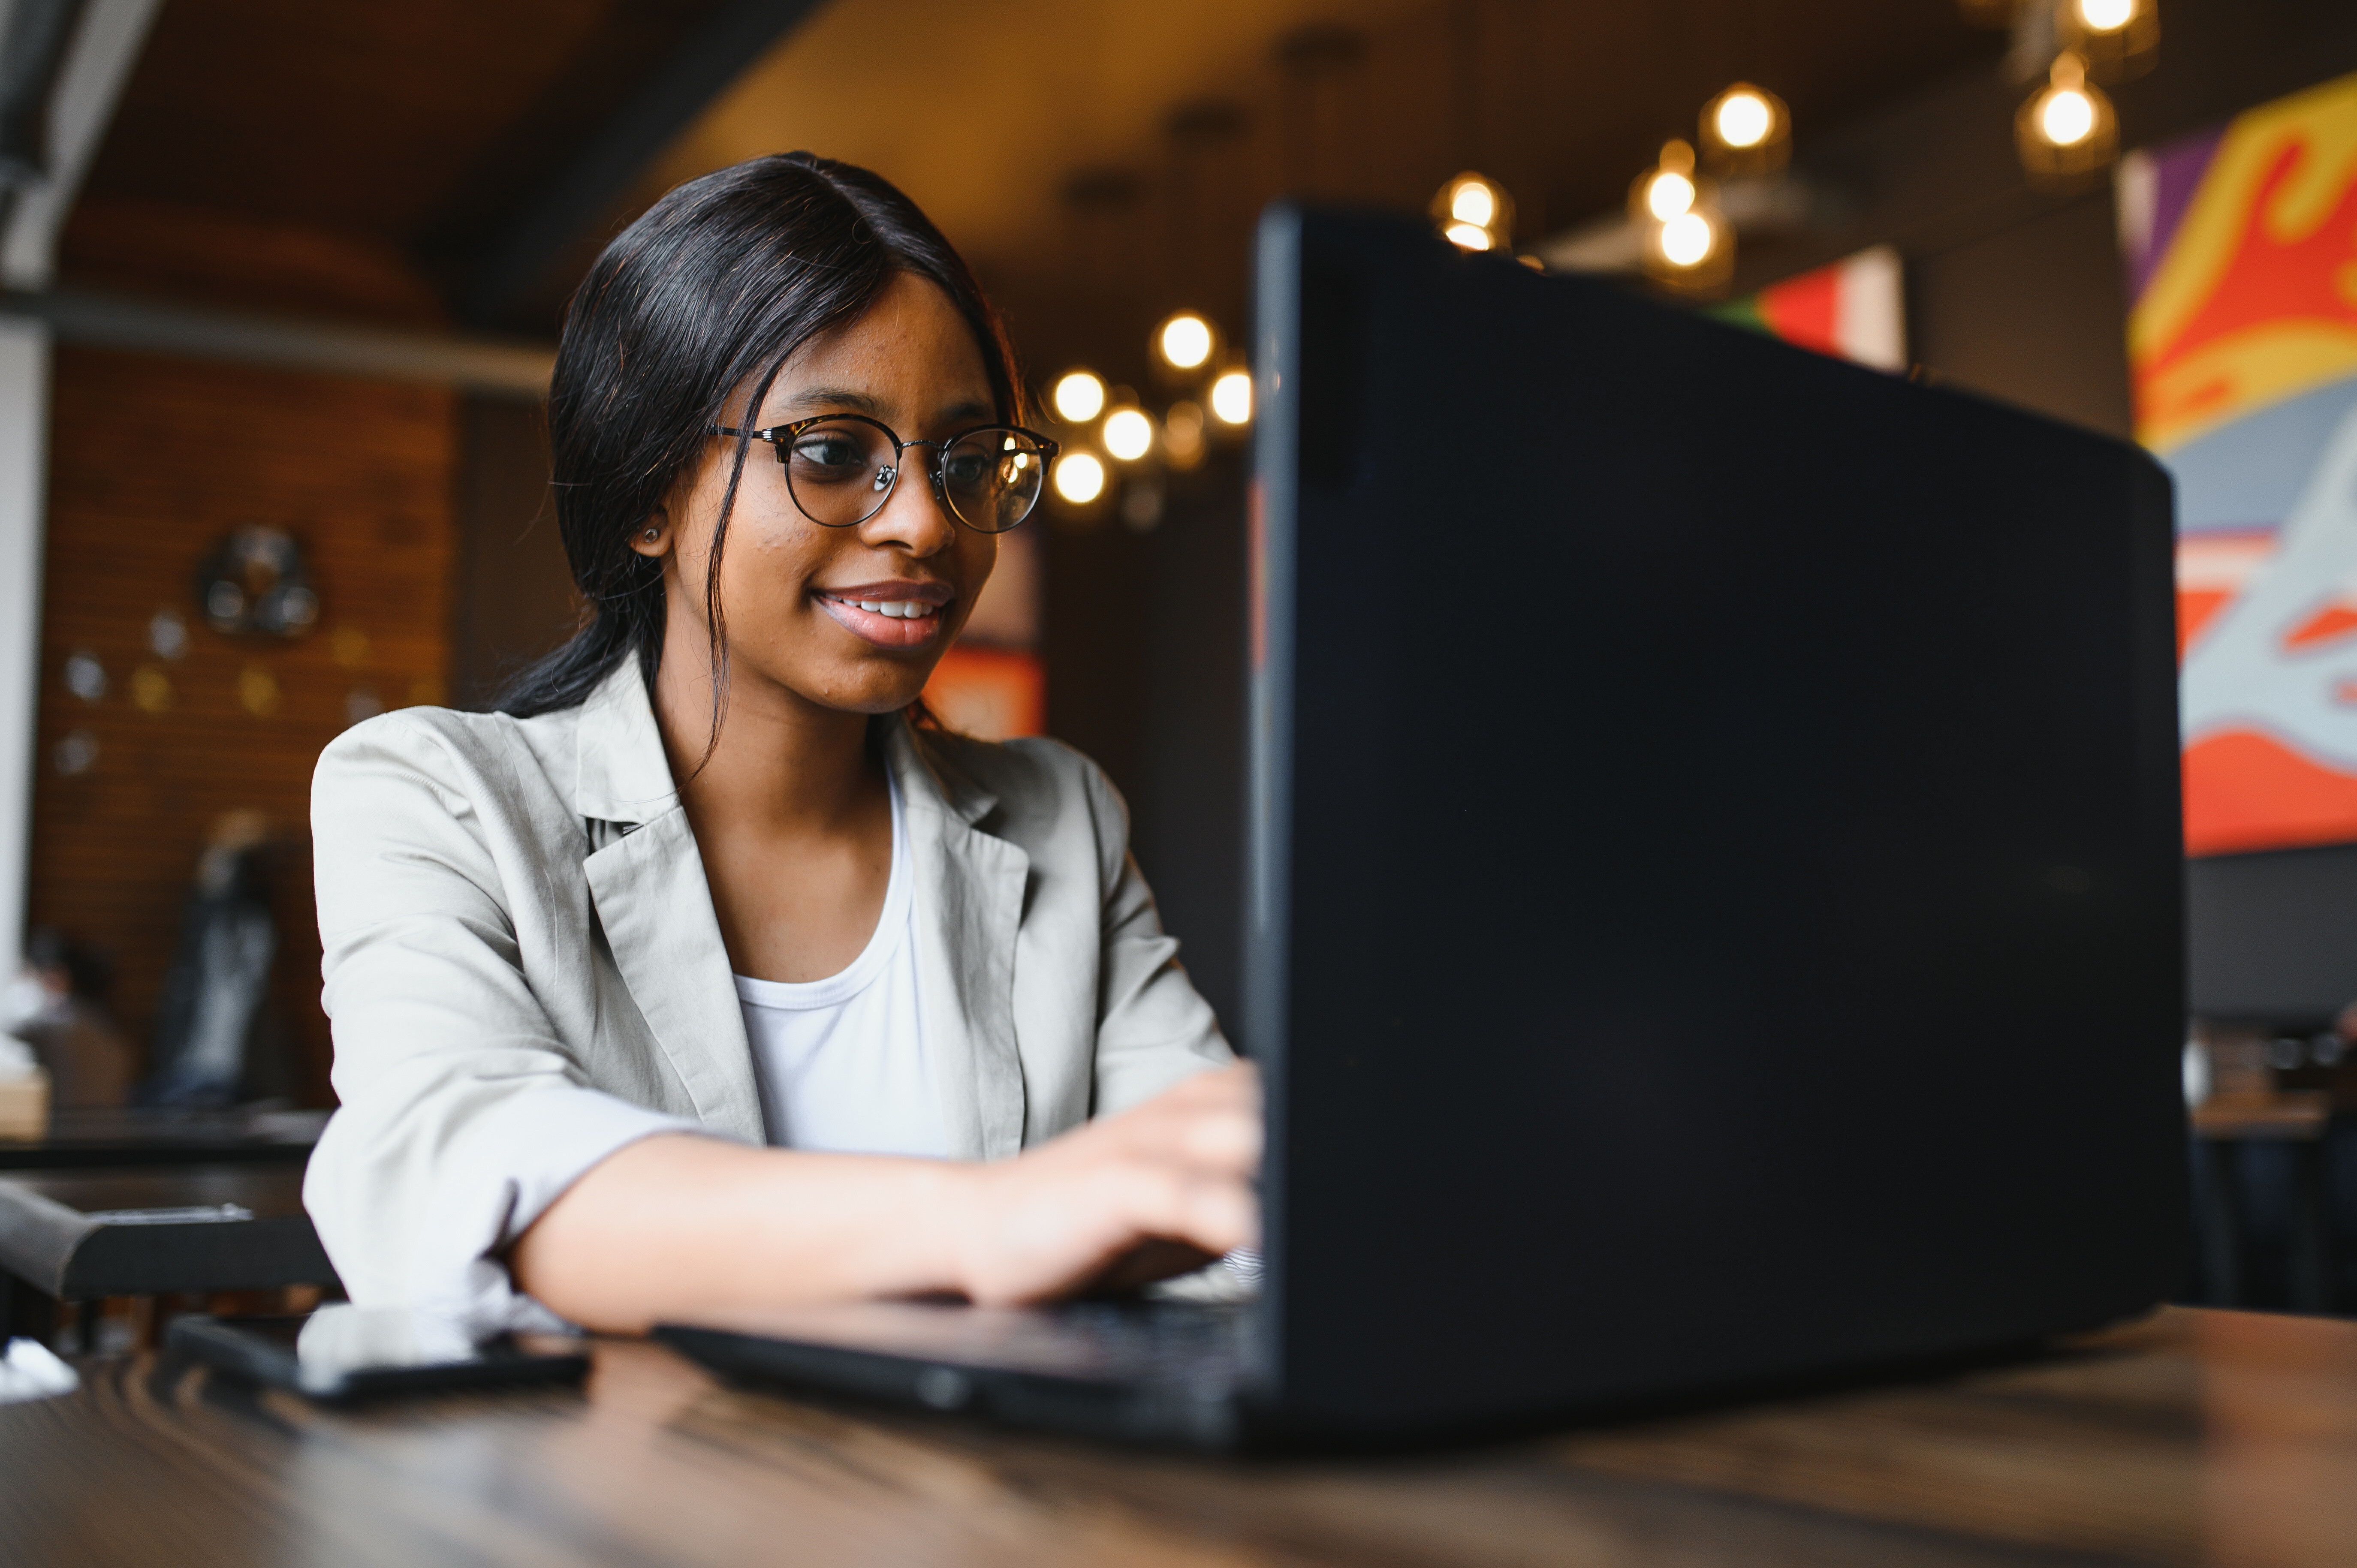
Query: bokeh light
{"points": [[1744, 119], [1080, 396], [1686, 240], [1473, 202], [1232, 398], [1079, 478], [1128, 434], [1185, 340], [1669, 194], [2066, 117]]}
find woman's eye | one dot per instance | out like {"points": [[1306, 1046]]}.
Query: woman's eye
{"points": [[829, 456], [967, 470]]}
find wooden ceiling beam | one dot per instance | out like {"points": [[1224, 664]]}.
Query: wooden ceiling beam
{"points": [[67, 64], [500, 367], [586, 186]]}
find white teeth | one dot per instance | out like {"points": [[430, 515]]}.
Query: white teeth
{"points": [[894, 610]]}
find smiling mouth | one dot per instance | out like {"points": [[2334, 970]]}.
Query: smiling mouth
{"points": [[885, 622]]}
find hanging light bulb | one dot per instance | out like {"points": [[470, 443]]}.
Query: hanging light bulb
{"points": [[1688, 245], [1745, 130], [1232, 397], [1079, 397], [1474, 213], [1184, 342], [1128, 434], [2067, 132], [2114, 39], [1686, 240], [1668, 189], [1079, 478]]}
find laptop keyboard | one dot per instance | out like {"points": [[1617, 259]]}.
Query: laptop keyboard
{"points": [[1166, 1342]]}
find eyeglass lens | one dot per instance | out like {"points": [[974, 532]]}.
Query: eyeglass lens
{"points": [[842, 471]]}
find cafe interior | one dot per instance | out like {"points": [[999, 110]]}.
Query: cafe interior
{"points": [[283, 284]]}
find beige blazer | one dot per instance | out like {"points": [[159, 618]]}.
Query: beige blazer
{"points": [[510, 906]]}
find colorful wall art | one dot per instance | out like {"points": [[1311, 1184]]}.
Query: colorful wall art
{"points": [[1854, 310], [2242, 254]]}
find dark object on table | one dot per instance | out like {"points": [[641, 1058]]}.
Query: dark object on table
{"points": [[341, 1354], [81, 1235], [217, 1041], [1795, 992], [88, 1057]]}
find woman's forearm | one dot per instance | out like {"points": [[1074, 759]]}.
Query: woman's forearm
{"points": [[679, 1225], [675, 1225]]}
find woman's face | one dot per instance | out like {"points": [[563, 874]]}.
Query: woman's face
{"points": [[790, 590]]}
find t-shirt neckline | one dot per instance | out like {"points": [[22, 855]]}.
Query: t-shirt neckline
{"points": [[891, 927]]}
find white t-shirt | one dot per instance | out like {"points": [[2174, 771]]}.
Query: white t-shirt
{"points": [[841, 1061]]}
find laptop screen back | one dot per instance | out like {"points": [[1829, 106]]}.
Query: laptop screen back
{"points": [[1715, 906]]}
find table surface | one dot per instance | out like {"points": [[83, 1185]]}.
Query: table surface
{"points": [[50, 1239], [2291, 1115], [2191, 1437], [77, 1139]]}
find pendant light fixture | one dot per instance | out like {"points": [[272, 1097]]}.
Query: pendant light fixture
{"points": [[1745, 130], [1474, 213], [1688, 245], [2067, 133], [2115, 38]]}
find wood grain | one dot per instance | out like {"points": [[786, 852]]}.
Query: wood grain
{"points": [[2199, 1437], [152, 462]]}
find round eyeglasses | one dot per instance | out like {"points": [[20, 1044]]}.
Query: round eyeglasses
{"points": [[841, 467]]}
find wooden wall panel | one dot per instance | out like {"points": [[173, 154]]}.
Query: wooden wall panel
{"points": [[153, 462]]}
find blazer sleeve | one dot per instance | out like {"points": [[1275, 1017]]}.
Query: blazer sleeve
{"points": [[1154, 1028], [463, 1114]]}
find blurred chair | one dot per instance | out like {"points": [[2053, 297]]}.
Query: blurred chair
{"points": [[216, 1041]]}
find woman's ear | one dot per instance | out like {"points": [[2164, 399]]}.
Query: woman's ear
{"points": [[654, 538]]}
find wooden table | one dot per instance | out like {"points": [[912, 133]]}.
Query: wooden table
{"points": [[80, 1236], [78, 1140], [2194, 1437]]}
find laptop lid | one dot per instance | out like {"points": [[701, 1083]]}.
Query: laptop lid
{"points": [[1714, 900]]}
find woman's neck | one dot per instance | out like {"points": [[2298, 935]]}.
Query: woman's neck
{"points": [[780, 764]]}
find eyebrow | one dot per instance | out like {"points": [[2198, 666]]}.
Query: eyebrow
{"points": [[834, 397], [814, 398]]}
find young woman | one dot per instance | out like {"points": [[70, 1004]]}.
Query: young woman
{"points": [[698, 977]]}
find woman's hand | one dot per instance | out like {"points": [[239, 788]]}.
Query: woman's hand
{"points": [[1160, 1188]]}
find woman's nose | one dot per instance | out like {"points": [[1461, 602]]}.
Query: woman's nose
{"points": [[915, 517]]}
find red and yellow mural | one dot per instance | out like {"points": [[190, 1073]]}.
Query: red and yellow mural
{"points": [[2241, 250]]}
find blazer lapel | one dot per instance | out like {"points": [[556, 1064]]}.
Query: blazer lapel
{"points": [[655, 906], [969, 891]]}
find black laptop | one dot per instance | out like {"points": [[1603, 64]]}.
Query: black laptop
{"points": [[1713, 891]]}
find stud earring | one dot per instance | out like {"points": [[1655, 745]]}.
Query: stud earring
{"points": [[651, 535]]}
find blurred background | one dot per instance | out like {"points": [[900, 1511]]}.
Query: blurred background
{"points": [[283, 282]]}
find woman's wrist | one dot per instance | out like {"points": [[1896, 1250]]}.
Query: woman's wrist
{"points": [[956, 1208]]}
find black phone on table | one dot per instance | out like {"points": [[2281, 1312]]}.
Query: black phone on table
{"points": [[342, 1352]]}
